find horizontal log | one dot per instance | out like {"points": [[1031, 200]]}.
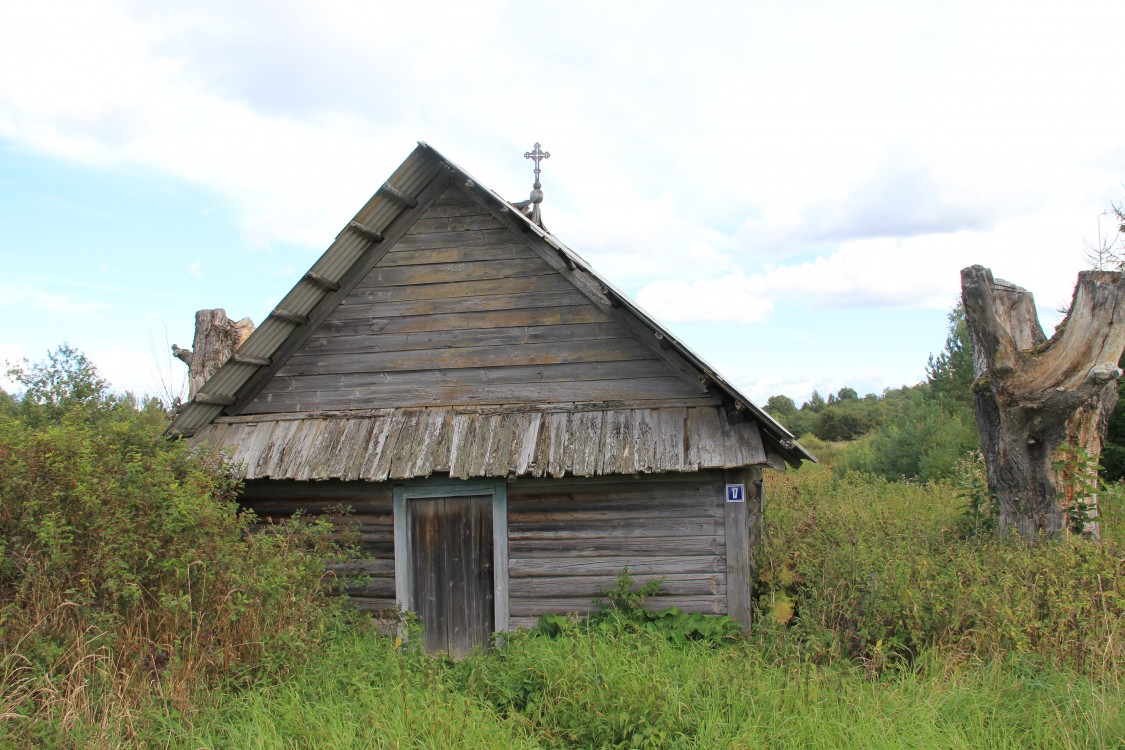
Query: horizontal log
{"points": [[565, 565], [539, 283], [487, 235], [575, 353], [380, 568], [563, 516], [371, 604], [430, 223], [374, 588], [683, 584], [466, 207], [470, 321], [484, 303], [709, 544], [290, 394], [408, 255], [362, 496], [458, 339], [313, 505], [516, 532], [519, 607], [469, 271]]}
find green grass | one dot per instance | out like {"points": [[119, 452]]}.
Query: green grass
{"points": [[628, 690]]}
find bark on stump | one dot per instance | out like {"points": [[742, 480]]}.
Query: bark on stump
{"points": [[216, 338], [1033, 397]]}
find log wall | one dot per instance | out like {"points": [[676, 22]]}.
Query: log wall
{"points": [[568, 537], [372, 506]]}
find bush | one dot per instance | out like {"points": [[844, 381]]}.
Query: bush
{"points": [[126, 570], [875, 570]]}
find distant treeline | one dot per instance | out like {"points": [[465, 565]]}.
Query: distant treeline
{"points": [[920, 431]]}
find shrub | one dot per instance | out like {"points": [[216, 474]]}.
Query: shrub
{"points": [[126, 570], [876, 570]]}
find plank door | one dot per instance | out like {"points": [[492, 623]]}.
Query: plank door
{"points": [[451, 571]]}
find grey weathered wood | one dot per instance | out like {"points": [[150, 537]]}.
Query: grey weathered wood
{"points": [[297, 319], [209, 398], [449, 289], [468, 271], [366, 255], [564, 315], [365, 232], [452, 579], [420, 256], [244, 359], [572, 357], [406, 443], [323, 282], [524, 608], [638, 565], [737, 531], [550, 548], [298, 394], [482, 303], [1033, 396], [393, 192], [675, 584]]}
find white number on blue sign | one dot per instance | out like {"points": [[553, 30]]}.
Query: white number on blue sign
{"points": [[736, 493]]}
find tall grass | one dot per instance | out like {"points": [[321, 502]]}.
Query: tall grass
{"points": [[637, 690], [879, 571]]}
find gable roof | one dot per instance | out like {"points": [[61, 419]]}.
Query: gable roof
{"points": [[248, 383]]}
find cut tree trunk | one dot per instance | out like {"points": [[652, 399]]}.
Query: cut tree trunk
{"points": [[216, 338], [1040, 404]]}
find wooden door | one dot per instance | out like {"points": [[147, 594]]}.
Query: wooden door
{"points": [[451, 571]]}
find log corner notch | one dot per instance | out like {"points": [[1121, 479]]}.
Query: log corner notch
{"points": [[1034, 397], [216, 338]]}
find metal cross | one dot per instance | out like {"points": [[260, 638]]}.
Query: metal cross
{"points": [[538, 155]]}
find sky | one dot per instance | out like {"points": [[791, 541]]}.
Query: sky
{"points": [[792, 188]]}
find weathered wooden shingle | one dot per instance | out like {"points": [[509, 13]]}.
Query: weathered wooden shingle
{"points": [[411, 443]]}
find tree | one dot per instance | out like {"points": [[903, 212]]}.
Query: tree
{"points": [[1038, 401], [216, 338], [950, 374], [779, 407]]}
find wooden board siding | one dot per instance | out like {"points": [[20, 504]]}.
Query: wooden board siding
{"points": [[372, 510], [462, 310], [569, 537], [451, 571]]}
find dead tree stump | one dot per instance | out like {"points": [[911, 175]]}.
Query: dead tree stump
{"points": [[216, 338], [1036, 400]]}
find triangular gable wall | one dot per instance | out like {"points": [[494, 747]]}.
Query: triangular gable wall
{"points": [[465, 310]]}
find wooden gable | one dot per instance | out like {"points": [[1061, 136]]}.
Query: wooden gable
{"points": [[463, 310], [444, 332]]}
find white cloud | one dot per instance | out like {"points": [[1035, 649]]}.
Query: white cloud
{"points": [[722, 160], [24, 295]]}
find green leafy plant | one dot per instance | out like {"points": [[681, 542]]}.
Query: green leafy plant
{"points": [[620, 608], [981, 511], [1077, 474]]}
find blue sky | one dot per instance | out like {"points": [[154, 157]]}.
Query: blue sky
{"points": [[792, 188]]}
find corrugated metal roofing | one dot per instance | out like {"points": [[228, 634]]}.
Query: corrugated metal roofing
{"points": [[414, 443], [409, 180]]}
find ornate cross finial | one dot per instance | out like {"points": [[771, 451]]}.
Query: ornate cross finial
{"points": [[538, 155]]}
